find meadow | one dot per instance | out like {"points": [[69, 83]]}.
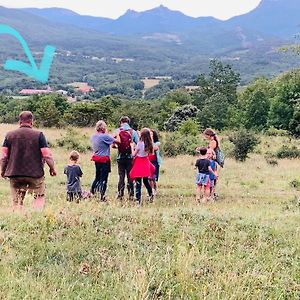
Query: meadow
{"points": [[246, 245]]}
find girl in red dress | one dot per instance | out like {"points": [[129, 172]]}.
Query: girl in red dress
{"points": [[142, 168]]}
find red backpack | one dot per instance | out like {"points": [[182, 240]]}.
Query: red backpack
{"points": [[126, 138]]}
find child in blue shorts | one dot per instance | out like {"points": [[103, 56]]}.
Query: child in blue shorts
{"points": [[202, 179]]}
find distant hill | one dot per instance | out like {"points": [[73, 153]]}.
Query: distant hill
{"points": [[148, 33], [159, 19], [39, 31], [67, 16], [159, 26], [156, 20], [156, 42], [279, 18], [272, 22], [276, 18]]}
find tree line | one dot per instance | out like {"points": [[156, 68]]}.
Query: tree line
{"points": [[218, 102]]}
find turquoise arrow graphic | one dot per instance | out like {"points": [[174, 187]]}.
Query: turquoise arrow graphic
{"points": [[40, 74]]}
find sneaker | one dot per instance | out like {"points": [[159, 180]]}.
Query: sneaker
{"points": [[103, 198], [131, 198]]}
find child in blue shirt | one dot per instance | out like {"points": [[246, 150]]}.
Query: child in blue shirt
{"points": [[203, 178], [212, 177]]}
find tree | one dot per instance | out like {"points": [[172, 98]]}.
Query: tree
{"points": [[285, 101], [216, 94], [189, 127], [214, 113], [141, 113], [88, 113], [294, 125], [180, 115], [244, 142], [180, 96], [48, 109], [85, 114], [47, 114], [220, 80], [254, 104], [10, 109]]}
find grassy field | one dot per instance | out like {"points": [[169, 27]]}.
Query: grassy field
{"points": [[244, 246]]}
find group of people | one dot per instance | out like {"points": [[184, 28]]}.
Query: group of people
{"points": [[25, 150], [138, 160], [206, 165]]}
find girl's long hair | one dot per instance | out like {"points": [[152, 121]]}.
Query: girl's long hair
{"points": [[155, 136], [146, 138], [209, 132]]}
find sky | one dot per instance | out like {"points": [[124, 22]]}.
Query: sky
{"points": [[221, 9]]}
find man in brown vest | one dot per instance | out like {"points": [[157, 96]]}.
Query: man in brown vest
{"points": [[24, 152]]}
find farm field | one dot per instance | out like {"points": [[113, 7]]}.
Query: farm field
{"points": [[246, 245]]}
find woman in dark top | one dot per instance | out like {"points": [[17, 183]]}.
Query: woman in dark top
{"points": [[213, 139]]}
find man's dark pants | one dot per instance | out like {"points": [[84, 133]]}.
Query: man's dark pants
{"points": [[124, 168]]}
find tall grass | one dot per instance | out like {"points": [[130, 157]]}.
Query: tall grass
{"points": [[244, 246]]}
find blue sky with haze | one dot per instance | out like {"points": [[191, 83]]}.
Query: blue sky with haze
{"points": [[221, 9]]}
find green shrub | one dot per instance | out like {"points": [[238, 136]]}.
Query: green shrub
{"points": [[244, 142], [288, 152], [189, 127], [295, 184], [179, 144], [180, 115], [74, 141], [272, 131]]}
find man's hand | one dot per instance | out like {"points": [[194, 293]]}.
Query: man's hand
{"points": [[52, 172], [3, 161]]}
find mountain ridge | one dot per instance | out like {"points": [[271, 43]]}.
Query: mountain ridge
{"points": [[274, 18], [156, 42]]}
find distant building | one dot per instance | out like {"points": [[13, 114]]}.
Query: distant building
{"points": [[163, 77], [62, 92], [85, 89], [35, 92], [120, 59], [82, 87], [191, 88]]}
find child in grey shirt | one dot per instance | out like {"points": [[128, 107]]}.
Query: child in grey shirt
{"points": [[73, 172]]}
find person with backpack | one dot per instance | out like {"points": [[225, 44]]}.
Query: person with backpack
{"points": [[214, 144], [124, 159]]}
